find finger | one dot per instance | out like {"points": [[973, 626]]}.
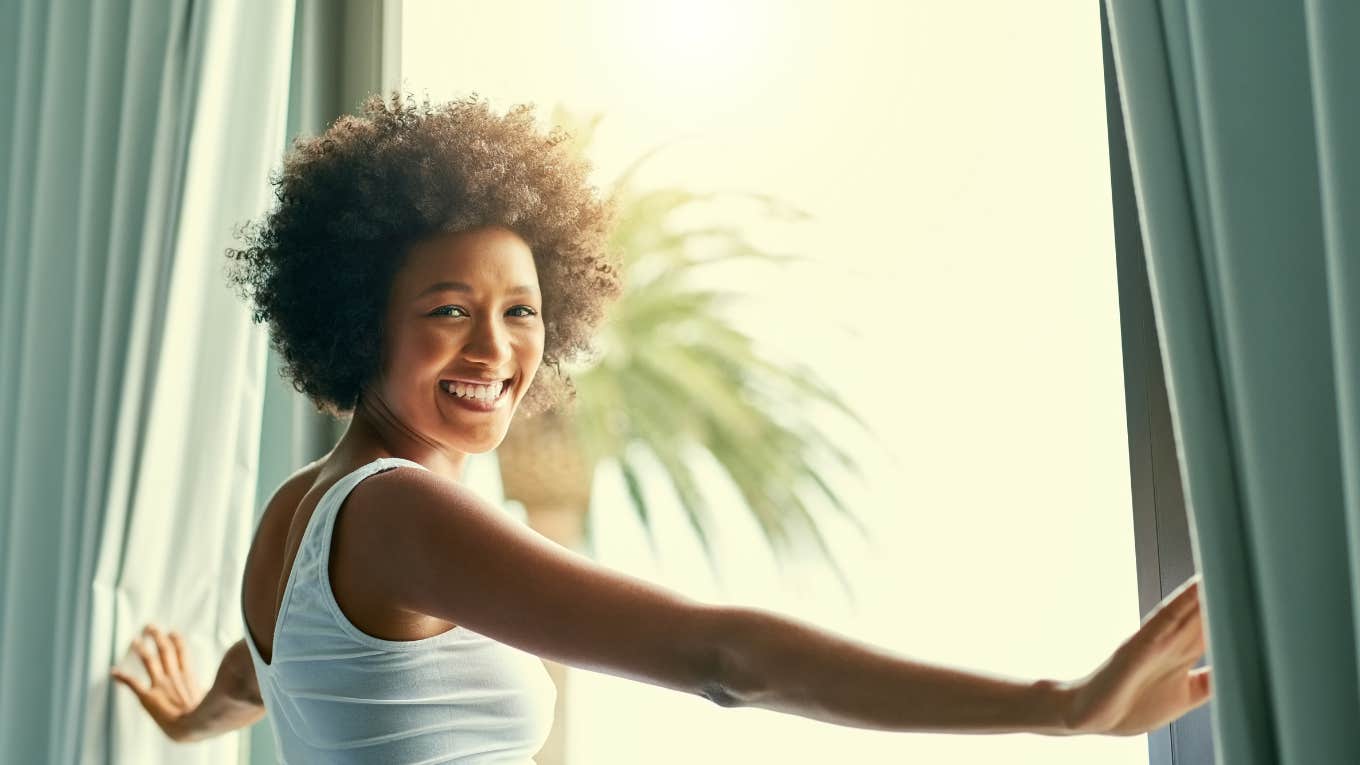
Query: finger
{"points": [[131, 682], [189, 683], [1201, 689], [178, 641], [151, 662], [1186, 596], [1189, 621], [1190, 632], [169, 661], [1176, 606]]}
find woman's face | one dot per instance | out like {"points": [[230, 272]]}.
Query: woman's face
{"points": [[463, 307]]}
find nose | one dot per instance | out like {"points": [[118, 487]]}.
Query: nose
{"points": [[488, 344]]}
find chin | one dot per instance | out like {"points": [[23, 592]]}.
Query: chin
{"points": [[488, 442], [480, 447]]}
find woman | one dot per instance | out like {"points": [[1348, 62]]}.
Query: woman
{"points": [[421, 264]]}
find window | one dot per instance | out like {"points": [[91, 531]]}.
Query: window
{"points": [[955, 164]]}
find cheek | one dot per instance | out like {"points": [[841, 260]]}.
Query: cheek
{"points": [[427, 348], [531, 353], [412, 353]]}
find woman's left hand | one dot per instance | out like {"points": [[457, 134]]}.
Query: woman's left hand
{"points": [[1149, 681], [174, 692]]}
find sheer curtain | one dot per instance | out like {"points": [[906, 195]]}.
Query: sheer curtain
{"points": [[132, 381], [1242, 124]]}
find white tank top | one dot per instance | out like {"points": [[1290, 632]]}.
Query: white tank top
{"points": [[335, 694]]}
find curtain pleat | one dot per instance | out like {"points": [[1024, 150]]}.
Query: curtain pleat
{"points": [[140, 134], [134, 459], [1242, 123], [193, 488], [86, 445], [1334, 66], [28, 20]]}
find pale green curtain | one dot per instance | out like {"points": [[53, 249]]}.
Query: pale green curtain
{"points": [[135, 142], [140, 133], [1243, 121]]}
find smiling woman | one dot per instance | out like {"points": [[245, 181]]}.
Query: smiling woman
{"points": [[421, 265], [393, 615]]}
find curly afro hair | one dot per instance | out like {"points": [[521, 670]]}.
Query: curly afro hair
{"points": [[352, 201]]}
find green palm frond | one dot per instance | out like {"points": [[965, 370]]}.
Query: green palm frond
{"points": [[673, 375]]}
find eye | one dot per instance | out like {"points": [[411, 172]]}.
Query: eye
{"points": [[440, 311]]}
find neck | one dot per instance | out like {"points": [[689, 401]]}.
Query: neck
{"points": [[376, 432]]}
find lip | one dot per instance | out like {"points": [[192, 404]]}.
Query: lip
{"points": [[477, 405], [476, 380]]}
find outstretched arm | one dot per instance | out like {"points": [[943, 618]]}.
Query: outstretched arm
{"points": [[778, 663], [436, 548], [174, 700]]}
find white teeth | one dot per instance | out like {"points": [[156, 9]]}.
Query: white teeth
{"points": [[480, 392]]}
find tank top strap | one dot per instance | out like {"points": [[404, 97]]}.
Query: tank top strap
{"points": [[317, 535], [335, 495]]}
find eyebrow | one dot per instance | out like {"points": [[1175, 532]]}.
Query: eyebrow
{"points": [[520, 289]]}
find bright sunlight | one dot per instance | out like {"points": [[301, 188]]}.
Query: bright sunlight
{"points": [[960, 295]]}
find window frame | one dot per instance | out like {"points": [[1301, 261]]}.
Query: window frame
{"points": [[1162, 545]]}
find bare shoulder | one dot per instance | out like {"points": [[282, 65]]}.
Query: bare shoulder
{"points": [[437, 548], [296, 486], [290, 492], [264, 559], [277, 516]]}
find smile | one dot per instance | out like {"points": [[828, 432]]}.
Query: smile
{"points": [[480, 398]]}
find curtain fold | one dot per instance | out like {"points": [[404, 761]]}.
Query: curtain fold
{"points": [[140, 135], [1241, 123], [142, 418], [1332, 30]]}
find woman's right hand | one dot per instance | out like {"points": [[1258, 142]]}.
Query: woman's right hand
{"points": [[1148, 681], [173, 691]]}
